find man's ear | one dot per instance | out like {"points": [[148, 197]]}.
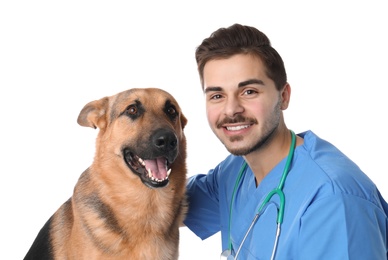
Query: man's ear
{"points": [[285, 96]]}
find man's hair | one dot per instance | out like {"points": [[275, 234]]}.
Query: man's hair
{"points": [[241, 39]]}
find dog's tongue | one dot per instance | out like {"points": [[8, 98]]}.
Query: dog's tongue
{"points": [[158, 167]]}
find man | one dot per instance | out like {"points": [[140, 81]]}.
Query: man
{"points": [[332, 210]]}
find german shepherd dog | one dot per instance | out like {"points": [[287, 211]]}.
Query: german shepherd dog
{"points": [[130, 202]]}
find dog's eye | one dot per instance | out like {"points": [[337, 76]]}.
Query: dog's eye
{"points": [[132, 110], [171, 111]]}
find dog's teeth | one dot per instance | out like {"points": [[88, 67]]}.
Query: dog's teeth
{"points": [[156, 179], [141, 161]]}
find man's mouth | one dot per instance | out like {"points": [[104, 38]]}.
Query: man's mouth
{"points": [[153, 172], [237, 123], [237, 127]]}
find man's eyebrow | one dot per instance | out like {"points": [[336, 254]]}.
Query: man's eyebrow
{"points": [[240, 85], [250, 81], [212, 89]]}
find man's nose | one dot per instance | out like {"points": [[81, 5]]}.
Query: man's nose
{"points": [[233, 107]]}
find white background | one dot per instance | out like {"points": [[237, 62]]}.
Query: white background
{"points": [[55, 56]]}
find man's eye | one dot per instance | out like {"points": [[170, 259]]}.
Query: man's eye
{"points": [[215, 97], [250, 92]]}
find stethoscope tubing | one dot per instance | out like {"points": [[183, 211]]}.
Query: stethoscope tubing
{"points": [[277, 191]]}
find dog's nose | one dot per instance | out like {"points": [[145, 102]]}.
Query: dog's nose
{"points": [[165, 140]]}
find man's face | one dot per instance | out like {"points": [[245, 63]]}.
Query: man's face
{"points": [[243, 106]]}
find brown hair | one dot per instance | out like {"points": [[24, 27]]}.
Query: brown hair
{"points": [[240, 39]]}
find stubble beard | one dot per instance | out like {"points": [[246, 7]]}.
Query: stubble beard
{"points": [[269, 129]]}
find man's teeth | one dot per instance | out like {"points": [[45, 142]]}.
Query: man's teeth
{"points": [[236, 128]]}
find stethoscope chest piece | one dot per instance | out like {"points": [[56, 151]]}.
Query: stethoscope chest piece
{"points": [[227, 255]]}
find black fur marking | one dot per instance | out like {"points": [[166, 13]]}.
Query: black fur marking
{"points": [[105, 213], [41, 249]]}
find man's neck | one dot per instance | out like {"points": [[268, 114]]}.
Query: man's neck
{"points": [[263, 160]]}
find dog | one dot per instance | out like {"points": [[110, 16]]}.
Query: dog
{"points": [[131, 201]]}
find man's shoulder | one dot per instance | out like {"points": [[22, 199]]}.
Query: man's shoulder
{"points": [[330, 167]]}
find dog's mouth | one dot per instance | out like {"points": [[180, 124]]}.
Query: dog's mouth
{"points": [[153, 172]]}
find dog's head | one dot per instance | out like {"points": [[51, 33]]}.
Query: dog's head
{"points": [[143, 129]]}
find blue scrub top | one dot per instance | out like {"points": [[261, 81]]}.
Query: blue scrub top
{"points": [[332, 209]]}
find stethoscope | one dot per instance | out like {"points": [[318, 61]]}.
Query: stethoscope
{"points": [[227, 254]]}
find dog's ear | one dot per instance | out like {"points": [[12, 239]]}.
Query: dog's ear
{"points": [[94, 114], [183, 120]]}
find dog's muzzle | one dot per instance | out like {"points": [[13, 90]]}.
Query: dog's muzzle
{"points": [[152, 162]]}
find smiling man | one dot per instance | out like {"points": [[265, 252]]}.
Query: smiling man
{"points": [[324, 205]]}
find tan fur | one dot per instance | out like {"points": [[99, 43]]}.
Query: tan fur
{"points": [[112, 214]]}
